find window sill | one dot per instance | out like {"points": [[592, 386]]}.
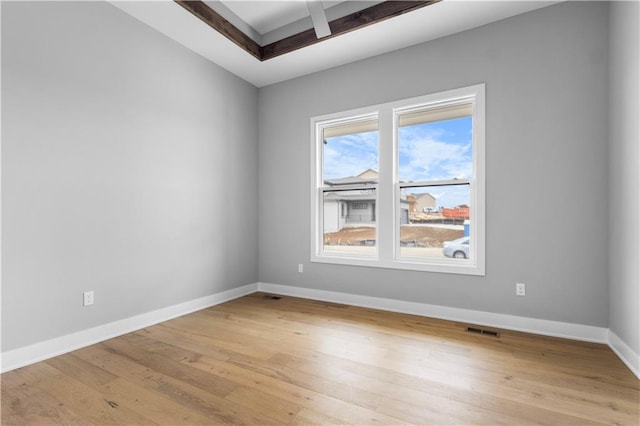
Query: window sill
{"points": [[445, 266]]}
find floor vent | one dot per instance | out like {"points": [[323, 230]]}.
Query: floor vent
{"points": [[482, 331]]}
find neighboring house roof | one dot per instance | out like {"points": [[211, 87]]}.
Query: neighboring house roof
{"points": [[351, 180], [369, 176]]}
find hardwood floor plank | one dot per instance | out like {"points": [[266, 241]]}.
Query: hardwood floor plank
{"points": [[223, 338], [281, 387], [26, 377], [315, 383], [193, 398], [28, 405], [262, 360], [307, 416], [280, 410], [82, 371], [217, 385], [157, 407], [90, 403], [193, 342]]}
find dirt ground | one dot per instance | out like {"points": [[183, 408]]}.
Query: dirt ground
{"points": [[425, 236]]}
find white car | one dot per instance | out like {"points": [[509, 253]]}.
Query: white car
{"points": [[458, 249]]}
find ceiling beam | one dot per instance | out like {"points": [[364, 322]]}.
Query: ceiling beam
{"points": [[371, 15]]}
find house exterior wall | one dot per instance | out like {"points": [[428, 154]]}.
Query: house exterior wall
{"points": [[369, 174], [331, 216], [361, 211], [425, 202]]}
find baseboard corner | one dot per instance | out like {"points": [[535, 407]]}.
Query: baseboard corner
{"points": [[627, 355]]}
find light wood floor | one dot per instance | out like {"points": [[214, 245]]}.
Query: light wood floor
{"points": [[263, 360]]}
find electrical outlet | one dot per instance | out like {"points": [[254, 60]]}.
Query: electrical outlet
{"points": [[300, 268], [520, 289], [87, 298]]}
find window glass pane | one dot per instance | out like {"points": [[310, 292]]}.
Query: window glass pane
{"points": [[350, 153], [350, 157], [349, 221], [434, 221], [435, 150]]}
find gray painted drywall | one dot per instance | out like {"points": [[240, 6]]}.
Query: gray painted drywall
{"points": [[624, 179], [129, 167], [546, 75]]}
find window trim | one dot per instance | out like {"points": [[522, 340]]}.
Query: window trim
{"points": [[387, 253]]}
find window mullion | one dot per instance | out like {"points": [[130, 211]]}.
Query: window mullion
{"points": [[385, 205]]}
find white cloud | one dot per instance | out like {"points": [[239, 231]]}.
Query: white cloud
{"points": [[350, 155], [425, 156]]}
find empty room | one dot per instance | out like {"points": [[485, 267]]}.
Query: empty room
{"points": [[320, 212]]}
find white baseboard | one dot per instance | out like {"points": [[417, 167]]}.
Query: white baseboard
{"points": [[625, 353], [26, 355], [507, 322]]}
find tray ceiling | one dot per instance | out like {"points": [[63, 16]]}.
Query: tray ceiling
{"points": [[268, 21]]}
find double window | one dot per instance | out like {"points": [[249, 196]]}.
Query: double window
{"points": [[401, 185]]}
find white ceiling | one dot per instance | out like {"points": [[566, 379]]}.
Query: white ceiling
{"points": [[265, 17], [266, 21]]}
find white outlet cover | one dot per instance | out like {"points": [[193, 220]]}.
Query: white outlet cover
{"points": [[88, 298]]}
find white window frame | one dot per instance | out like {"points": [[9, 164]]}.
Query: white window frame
{"points": [[387, 254]]}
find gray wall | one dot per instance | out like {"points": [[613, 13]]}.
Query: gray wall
{"points": [[118, 146], [129, 167], [624, 180], [546, 75]]}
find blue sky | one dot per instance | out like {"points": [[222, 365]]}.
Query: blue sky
{"points": [[350, 155], [430, 151]]}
